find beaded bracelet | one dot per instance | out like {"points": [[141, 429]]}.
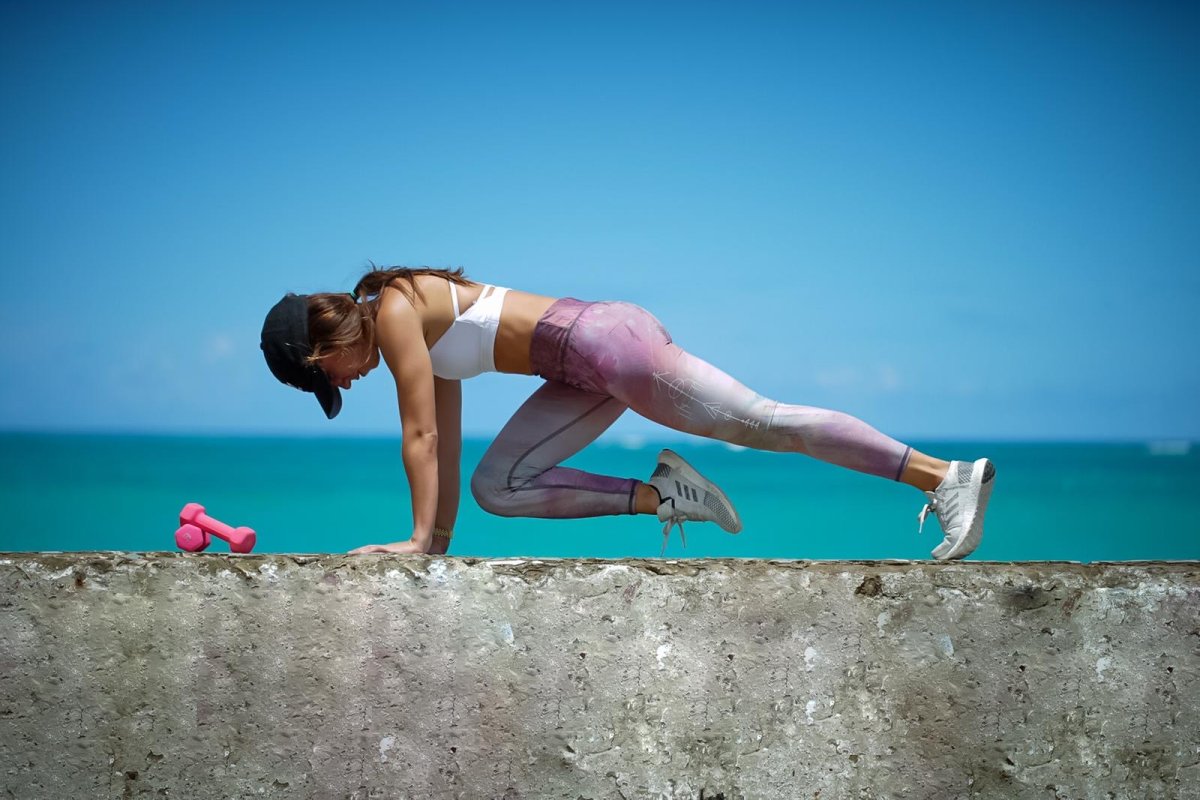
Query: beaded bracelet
{"points": [[442, 532]]}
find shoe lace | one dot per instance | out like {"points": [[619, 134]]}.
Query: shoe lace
{"points": [[930, 507], [677, 518]]}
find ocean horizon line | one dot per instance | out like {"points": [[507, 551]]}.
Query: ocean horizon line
{"points": [[1160, 443]]}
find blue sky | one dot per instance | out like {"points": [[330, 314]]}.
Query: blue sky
{"points": [[952, 220]]}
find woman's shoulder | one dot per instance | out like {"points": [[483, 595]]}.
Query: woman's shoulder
{"points": [[427, 301], [424, 290]]}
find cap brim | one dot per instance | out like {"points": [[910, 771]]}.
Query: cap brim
{"points": [[329, 396]]}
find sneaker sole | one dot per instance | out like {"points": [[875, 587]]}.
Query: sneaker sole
{"points": [[983, 493], [676, 462]]}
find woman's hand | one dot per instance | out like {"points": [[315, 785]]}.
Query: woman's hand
{"points": [[395, 547]]}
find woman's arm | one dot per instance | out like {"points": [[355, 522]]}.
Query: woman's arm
{"points": [[448, 395], [402, 344]]}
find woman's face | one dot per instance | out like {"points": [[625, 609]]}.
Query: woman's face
{"points": [[346, 368]]}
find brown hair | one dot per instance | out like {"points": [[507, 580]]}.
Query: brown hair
{"points": [[337, 324]]}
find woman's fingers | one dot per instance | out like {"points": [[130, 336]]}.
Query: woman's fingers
{"points": [[395, 547]]}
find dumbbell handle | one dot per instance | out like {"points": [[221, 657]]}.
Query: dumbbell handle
{"points": [[213, 525]]}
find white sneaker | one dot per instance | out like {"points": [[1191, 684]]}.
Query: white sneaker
{"points": [[959, 503], [688, 496]]}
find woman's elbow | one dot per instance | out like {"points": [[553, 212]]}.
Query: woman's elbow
{"points": [[421, 440]]}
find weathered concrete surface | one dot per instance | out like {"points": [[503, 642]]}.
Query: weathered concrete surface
{"points": [[198, 676]]}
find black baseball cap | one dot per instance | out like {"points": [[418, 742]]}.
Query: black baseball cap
{"points": [[285, 345]]}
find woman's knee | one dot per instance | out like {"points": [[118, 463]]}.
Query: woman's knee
{"points": [[491, 491], [484, 487]]}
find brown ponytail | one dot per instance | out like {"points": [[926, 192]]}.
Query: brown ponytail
{"points": [[338, 325]]}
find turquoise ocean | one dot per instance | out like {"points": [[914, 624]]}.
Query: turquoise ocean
{"points": [[1053, 501]]}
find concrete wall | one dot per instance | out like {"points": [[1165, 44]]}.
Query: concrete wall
{"points": [[198, 676]]}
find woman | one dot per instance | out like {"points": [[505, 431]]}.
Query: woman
{"points": [[434, 328]]}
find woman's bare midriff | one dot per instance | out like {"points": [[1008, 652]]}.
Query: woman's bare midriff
{"points": [[519, 315]]}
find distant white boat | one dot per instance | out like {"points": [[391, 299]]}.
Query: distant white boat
{"points": [[1169, 447]]}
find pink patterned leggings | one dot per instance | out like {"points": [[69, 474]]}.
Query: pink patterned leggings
{"points": [[599, 359]]}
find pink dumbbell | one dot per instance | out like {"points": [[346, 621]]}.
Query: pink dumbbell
{"points": [[192, 539], [196, 530]]}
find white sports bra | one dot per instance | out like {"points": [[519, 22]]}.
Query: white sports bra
{"points": [[467, 348]]}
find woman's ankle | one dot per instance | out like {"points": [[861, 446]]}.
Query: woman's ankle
{"points": [[647, 500], [924, 472]]}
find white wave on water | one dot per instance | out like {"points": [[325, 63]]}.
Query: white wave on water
{"points": [[1169, 447]]}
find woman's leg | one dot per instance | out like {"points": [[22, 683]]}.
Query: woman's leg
{"points": [[519, 476], [624, 351]]}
